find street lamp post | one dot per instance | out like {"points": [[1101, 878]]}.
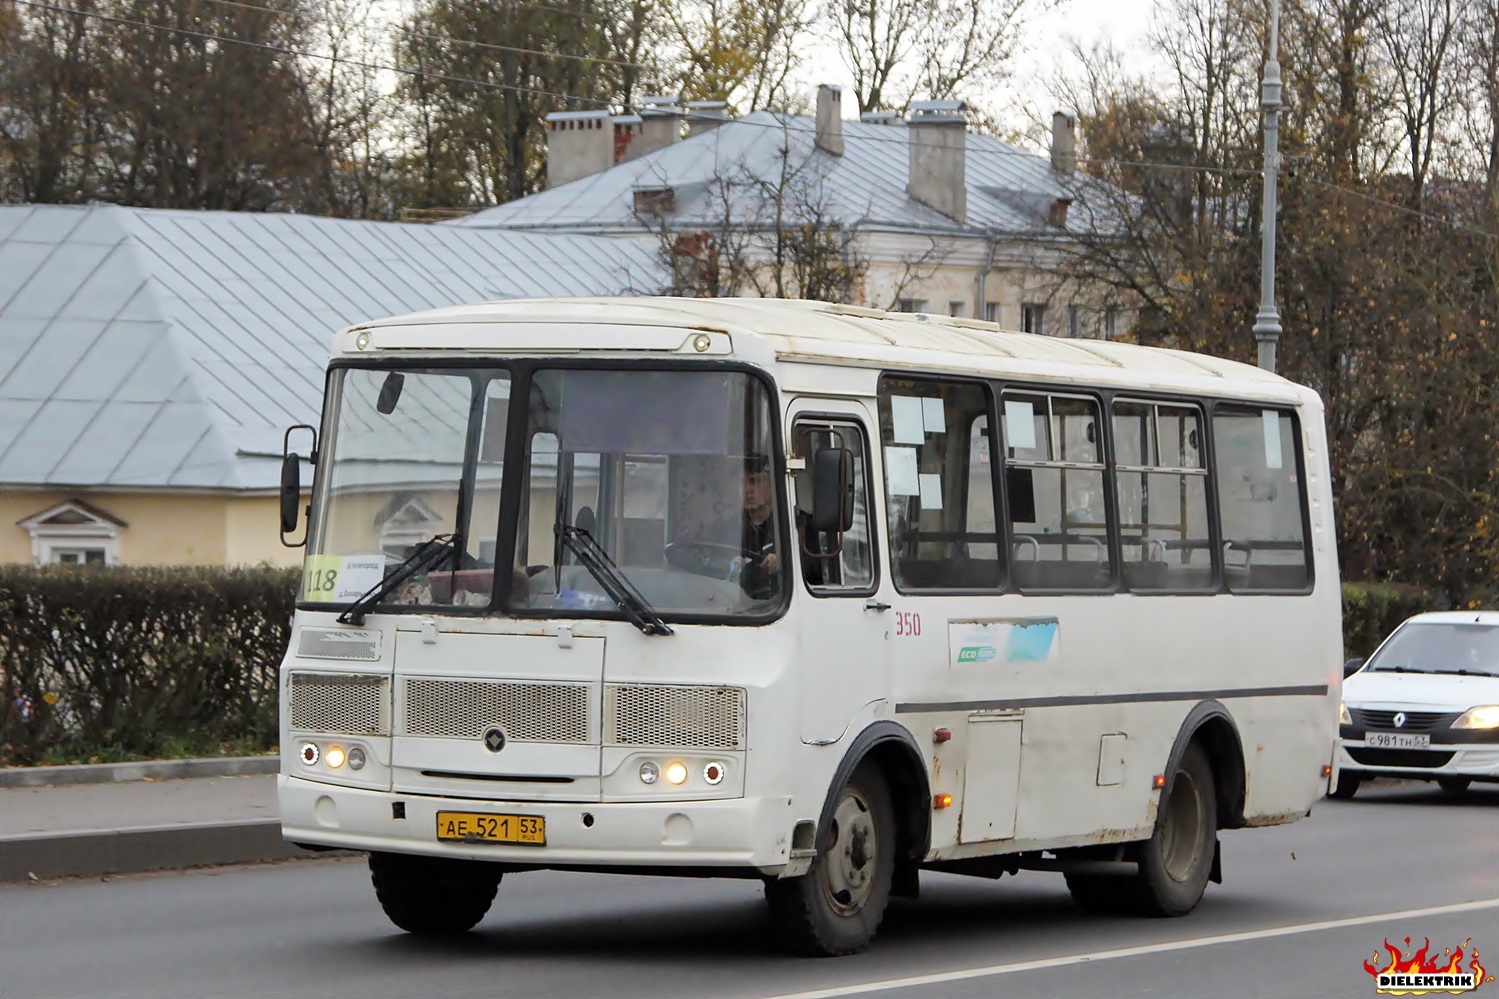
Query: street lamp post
{"points": [[1267, 322]]}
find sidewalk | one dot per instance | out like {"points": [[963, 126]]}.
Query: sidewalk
{"points": [[113, 824]]}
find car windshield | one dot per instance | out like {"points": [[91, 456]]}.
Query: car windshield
{"points": [[670, 473], [1446, 647], [408, 455]]}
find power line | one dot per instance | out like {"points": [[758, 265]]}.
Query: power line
{"points": [[470, 43], [532, 91], [1460, 226]]}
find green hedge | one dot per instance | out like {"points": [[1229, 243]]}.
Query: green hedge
{"points": [[1372, 610], [139, 662]]}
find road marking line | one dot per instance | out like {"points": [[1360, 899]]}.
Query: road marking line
{"points": [[941, 978]]}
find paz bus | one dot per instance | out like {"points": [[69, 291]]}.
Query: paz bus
{"points": [[801, 592]]}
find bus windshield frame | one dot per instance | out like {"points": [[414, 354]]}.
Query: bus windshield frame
{"points": [[385, 486]]}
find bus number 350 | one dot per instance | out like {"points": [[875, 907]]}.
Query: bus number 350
{"points": [[907, 624]]}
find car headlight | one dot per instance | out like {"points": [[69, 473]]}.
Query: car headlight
{"points": [[1485, 716], [1344, 718]]}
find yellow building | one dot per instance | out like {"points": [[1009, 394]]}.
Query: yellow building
{"points": [[150, 361]]}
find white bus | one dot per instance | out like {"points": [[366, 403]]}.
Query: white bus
{"points": [[802, 592]]}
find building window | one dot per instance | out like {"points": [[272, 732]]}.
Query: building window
{"points": [[955, 308], [1110, 323], [991, 311], [910, 305], [1074, 321], [73, 533], [1033, 318]]}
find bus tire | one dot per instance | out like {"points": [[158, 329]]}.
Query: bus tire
{"points": [[1103, 894], [433, 896], [836, 907], [1346, 787], [1177, 860], [1454, 785]]}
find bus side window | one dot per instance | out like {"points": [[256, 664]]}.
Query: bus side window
{"points": [[1261, 499], [939, 491], [1162, 492], [829, 562], [1055, 490]]}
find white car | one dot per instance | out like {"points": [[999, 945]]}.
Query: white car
{"points": [[1425, 706]]}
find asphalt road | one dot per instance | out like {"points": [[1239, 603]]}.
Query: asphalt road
{"points": [[1301, 909]]}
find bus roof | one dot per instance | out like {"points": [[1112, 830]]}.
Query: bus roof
{"points": [[831, 333]]}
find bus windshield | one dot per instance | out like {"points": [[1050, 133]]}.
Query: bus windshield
{"points": [[670, 472], [666, 474]]}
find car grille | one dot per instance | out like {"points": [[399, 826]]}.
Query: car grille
{"points": [[341, 703], [1425, 758], [674, 717], [528, 712], [1415, 721]]}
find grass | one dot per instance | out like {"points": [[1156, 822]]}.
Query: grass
{"points": [[171, 748]]}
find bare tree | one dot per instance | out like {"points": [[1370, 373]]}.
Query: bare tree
{"points": [[1419, 37]]}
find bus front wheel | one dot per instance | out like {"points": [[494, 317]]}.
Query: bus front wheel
{"points": [[1176, 862], [836, 907], [433, 896]]}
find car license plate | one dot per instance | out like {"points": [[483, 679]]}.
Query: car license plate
{"points": [[482, 827], [1397, 740]]}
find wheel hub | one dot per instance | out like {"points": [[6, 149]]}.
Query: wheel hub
{"points": [[851, 854]]}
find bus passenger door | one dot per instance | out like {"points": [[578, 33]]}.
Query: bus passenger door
{"points": [[844, 645]]}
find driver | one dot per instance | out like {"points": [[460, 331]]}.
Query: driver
{"points": [[759, 565]]}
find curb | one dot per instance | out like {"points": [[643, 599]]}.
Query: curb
{"points": [[105, 773], [151, 848]]}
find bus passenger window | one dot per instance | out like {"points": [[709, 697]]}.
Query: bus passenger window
{"points": [[1054, 488], [1162, 489], [1261, 500], [939, 491]]}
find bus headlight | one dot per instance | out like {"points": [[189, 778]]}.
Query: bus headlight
{"points": [[676, 772], [1486, 716], [1344, 718], [334, 757], [649, 772], [357, 758]]}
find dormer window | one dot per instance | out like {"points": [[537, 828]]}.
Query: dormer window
{"points": [[74, 533]]}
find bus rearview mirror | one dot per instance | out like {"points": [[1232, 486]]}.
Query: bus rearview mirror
{"points": [[832, 490], [291, 490]]}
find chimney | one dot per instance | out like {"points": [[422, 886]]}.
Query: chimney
{"points": [[579, 143], [704, 116], [882, 118], [938, 143], [1063, 143], [661, 124], [628, 129], [830, 119]]}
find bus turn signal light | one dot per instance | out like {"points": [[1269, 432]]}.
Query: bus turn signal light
{"points": [[1327, 770], [941, 800], [1160, 780], [941, 735]]}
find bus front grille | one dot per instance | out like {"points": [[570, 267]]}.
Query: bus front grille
{"points": [[341, 703], [465, 709], [674, 717]]}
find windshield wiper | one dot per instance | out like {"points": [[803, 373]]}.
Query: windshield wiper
{"points": [[1462, 672], [428, 551], [1399, 669], [598, 563]]}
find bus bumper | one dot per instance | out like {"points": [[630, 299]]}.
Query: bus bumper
{"points": [[751, 833]]}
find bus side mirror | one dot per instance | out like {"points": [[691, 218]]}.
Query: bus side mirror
{"points": [[291, 484], [1351, 667], [832, 490]]}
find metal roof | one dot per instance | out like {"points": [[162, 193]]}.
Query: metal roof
{"points": [[1009, 189], [150, 348]]}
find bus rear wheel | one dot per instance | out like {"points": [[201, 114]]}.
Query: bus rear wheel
{"points": [[1177, 860], [433, 896], [836, 907]]}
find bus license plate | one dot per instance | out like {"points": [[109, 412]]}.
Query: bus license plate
{"points": [[480, 827], [1397, 740]]}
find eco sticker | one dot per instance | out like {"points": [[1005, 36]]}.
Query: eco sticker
{"points": [[1016, 641]]}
